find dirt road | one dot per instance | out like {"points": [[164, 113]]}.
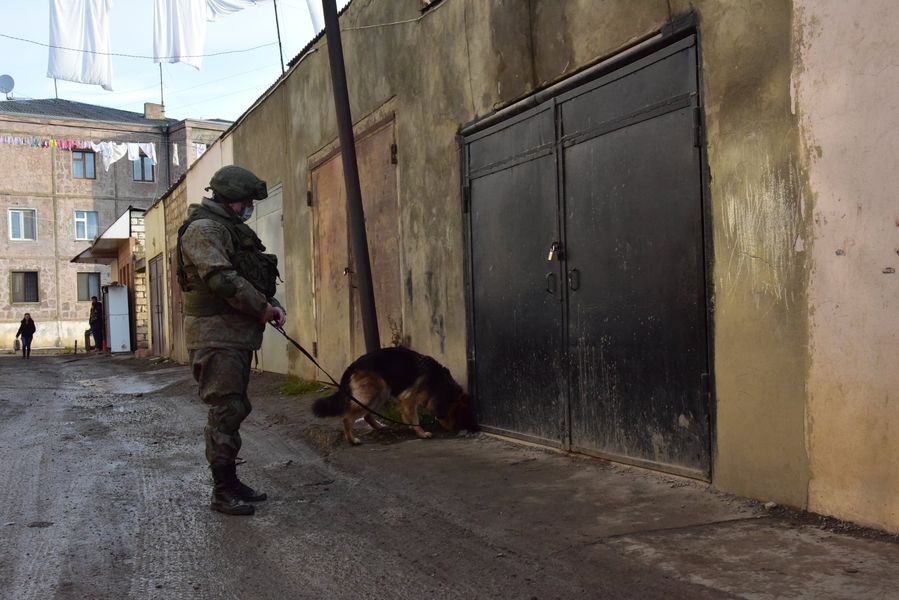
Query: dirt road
{"points": [[105, 495]]}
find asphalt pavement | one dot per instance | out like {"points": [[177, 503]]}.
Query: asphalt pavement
{"points": [[105, 495]]}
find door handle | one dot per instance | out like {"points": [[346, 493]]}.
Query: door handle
{"points": [[551, 283], [574, 279]]}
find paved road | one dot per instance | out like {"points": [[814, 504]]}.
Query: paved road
{"points": [[105, 494]]}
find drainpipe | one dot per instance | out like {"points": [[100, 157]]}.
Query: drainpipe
{"points": [[351, 178]]}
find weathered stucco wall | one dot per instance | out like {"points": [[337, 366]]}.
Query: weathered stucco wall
{"points": [[202, 170], [846, 87], [464, 58], [456, 62], [760, 234]]}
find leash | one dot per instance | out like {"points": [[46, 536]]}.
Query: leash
{"points": [[334, 381]]}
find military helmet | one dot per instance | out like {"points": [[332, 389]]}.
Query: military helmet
{"points": [[235, 184]]}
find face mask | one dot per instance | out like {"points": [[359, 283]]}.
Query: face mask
{"points": [[247, 213]]}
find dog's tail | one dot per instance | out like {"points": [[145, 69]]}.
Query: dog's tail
{"points": [[331, 406]]}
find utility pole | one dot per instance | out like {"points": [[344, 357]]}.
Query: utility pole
{"points": [[351, 178], [278, 29]]}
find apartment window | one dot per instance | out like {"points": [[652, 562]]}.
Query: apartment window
{"points": [[88, 285], [83, 164], [22, 224], [86, 225], [143, 168], [24, 286]]}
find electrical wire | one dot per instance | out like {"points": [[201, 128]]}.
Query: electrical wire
{"points": [[157, 58]]}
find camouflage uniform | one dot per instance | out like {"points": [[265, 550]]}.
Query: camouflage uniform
{"points": [[221, 344], [223, 325]]}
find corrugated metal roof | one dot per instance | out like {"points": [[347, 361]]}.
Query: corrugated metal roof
{"points": [[68, 109]]}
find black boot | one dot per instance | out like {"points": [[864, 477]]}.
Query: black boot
{"points": [[245, 492], [224, 498], [29, 353]]}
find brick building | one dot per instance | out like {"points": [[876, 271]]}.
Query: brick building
{"points": [[59, 191]]}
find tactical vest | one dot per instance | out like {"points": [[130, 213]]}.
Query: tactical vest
{"points": [[249, 260]]}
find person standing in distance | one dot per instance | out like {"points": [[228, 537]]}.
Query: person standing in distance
{"points": [[26, 330], [229, 283], [97, 325]]}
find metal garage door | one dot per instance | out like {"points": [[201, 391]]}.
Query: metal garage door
{"points": [[603, 347], [337, 313]]}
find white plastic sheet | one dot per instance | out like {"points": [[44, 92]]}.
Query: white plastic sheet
{"points": [[79, 42]]}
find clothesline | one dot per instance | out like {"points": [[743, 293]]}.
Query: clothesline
{"points": [[44, 142], [106, 149]]}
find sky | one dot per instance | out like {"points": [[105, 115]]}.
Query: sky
{"points": [[223, 89]]}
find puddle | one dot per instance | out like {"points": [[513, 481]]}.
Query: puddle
{"points": [[143, 383]]}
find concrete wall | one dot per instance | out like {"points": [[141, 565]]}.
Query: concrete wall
{"points": [[846, 95], [175, 207], [802, 226], [202, 170]]}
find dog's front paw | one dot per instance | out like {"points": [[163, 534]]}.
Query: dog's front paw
{"points": [[355, 441], [425, 435]]}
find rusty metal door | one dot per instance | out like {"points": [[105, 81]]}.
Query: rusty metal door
{"points": [[332, 261], [375, 153], [519, 375], [610, 170], [635, 265], [157, 306], [176, 314], [338, 320]]}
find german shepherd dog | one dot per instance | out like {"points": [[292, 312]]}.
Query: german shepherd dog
{"points": [[413, 379]]}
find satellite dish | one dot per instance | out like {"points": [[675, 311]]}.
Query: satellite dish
{"points": [[6, 84]]}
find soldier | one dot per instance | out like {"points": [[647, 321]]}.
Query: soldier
{"points": [[229, 285]]}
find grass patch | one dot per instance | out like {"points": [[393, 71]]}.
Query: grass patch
{"points": [[296, 386], [391, 410]]}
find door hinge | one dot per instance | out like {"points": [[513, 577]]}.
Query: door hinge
{"points": [[315, 349], [466, 198], [309, 198], [697, 127], [393, 159]]}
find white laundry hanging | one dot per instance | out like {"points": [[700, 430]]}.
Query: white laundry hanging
{"points": [[149, 150], [179, 27], [133, 151], [79, 42], [179, 31], [221, 8], [109, 152], [315, 14]]}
